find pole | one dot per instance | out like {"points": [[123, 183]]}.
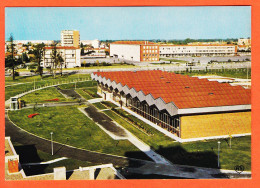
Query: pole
{"points": [[218, 152], [51, 144]]}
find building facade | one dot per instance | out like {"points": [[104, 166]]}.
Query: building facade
{"points": [[198, 50], [95, 43], [141, 51], [70, 38], [182, 107], [70, 55], [245, 42]]}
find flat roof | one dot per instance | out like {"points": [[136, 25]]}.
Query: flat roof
{"points": [[182, 90], [135, 42]]}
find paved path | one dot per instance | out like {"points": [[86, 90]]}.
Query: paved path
{"points": [[116, 131]]}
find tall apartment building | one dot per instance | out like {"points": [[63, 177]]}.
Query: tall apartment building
{"points": [[70, 38], [143, 51]]}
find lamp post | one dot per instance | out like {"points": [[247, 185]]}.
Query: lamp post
{"points": [[51, 144], [218, 151]]}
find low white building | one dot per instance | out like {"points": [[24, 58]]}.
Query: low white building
{"points": [[142, 51], [70, 55], [197, 50], [246, 42], [46, 42], [95, 43]]}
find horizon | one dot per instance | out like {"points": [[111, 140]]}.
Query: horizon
{"points": [[129, 23]]}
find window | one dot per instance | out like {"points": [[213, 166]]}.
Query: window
{"points": [[143, 47]]}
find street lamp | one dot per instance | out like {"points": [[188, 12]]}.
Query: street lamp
{"points": [[51, 144], [218, 151]]}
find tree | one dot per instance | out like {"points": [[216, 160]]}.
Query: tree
{"points": [[60, 62], [57, 60], [10, 61], [38, 55]]}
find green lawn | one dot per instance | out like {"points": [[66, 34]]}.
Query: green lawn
{"points": [[49, 78], [79, 85], [83, 94], [173, 60], [44, 94], [68, 123], [92, 91], [28, 83], [233, 73], [200, 153], [109, 104], [99, 106]]}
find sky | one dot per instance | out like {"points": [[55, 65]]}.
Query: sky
{"points": [[131, 23]]}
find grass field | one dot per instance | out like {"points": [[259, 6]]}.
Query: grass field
{"points": [[44, 94], [72, 127], [99, 106], [201, 153], [233, 73], [27, 83], [79, 85], [83, 94]]}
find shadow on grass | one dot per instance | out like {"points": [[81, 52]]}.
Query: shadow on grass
{"points": [[177, 155]]}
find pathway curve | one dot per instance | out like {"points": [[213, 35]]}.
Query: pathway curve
{"points": [[25, 138]]}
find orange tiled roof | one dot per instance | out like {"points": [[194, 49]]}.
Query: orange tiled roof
{"points": [[184, 91], [133, 42]]}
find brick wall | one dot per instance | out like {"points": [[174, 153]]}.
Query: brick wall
{"points": [[215, 124]]}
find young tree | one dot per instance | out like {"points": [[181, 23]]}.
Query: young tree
{"points": [[38, 55]]}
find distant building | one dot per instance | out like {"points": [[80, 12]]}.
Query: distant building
{"points": [[70, 55], [143, 51], [198, 50], [70, 38], [46, 42], [244, 42], [95, 43]]}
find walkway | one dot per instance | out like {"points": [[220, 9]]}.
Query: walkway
{"points": [[116, 131]]}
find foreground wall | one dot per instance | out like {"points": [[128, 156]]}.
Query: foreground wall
{"points": [[215, 124]]}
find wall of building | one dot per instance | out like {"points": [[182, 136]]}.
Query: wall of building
{"points": [[197, 50], [71, 58], [149, 53], [215, 124], [125, 51]]}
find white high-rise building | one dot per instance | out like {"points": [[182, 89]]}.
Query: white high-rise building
{"points": [[70, 38]]}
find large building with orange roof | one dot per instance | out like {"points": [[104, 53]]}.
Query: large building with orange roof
{"points": [[182, 107], [141, 51]]}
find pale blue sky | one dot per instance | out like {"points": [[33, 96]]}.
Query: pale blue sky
{"points": [[140, 23]]}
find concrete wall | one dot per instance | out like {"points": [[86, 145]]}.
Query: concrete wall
{"points": [[215, 124], [125, 51]]}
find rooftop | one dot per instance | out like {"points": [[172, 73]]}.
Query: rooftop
{"points": [[134, 42], [184, 91]]}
